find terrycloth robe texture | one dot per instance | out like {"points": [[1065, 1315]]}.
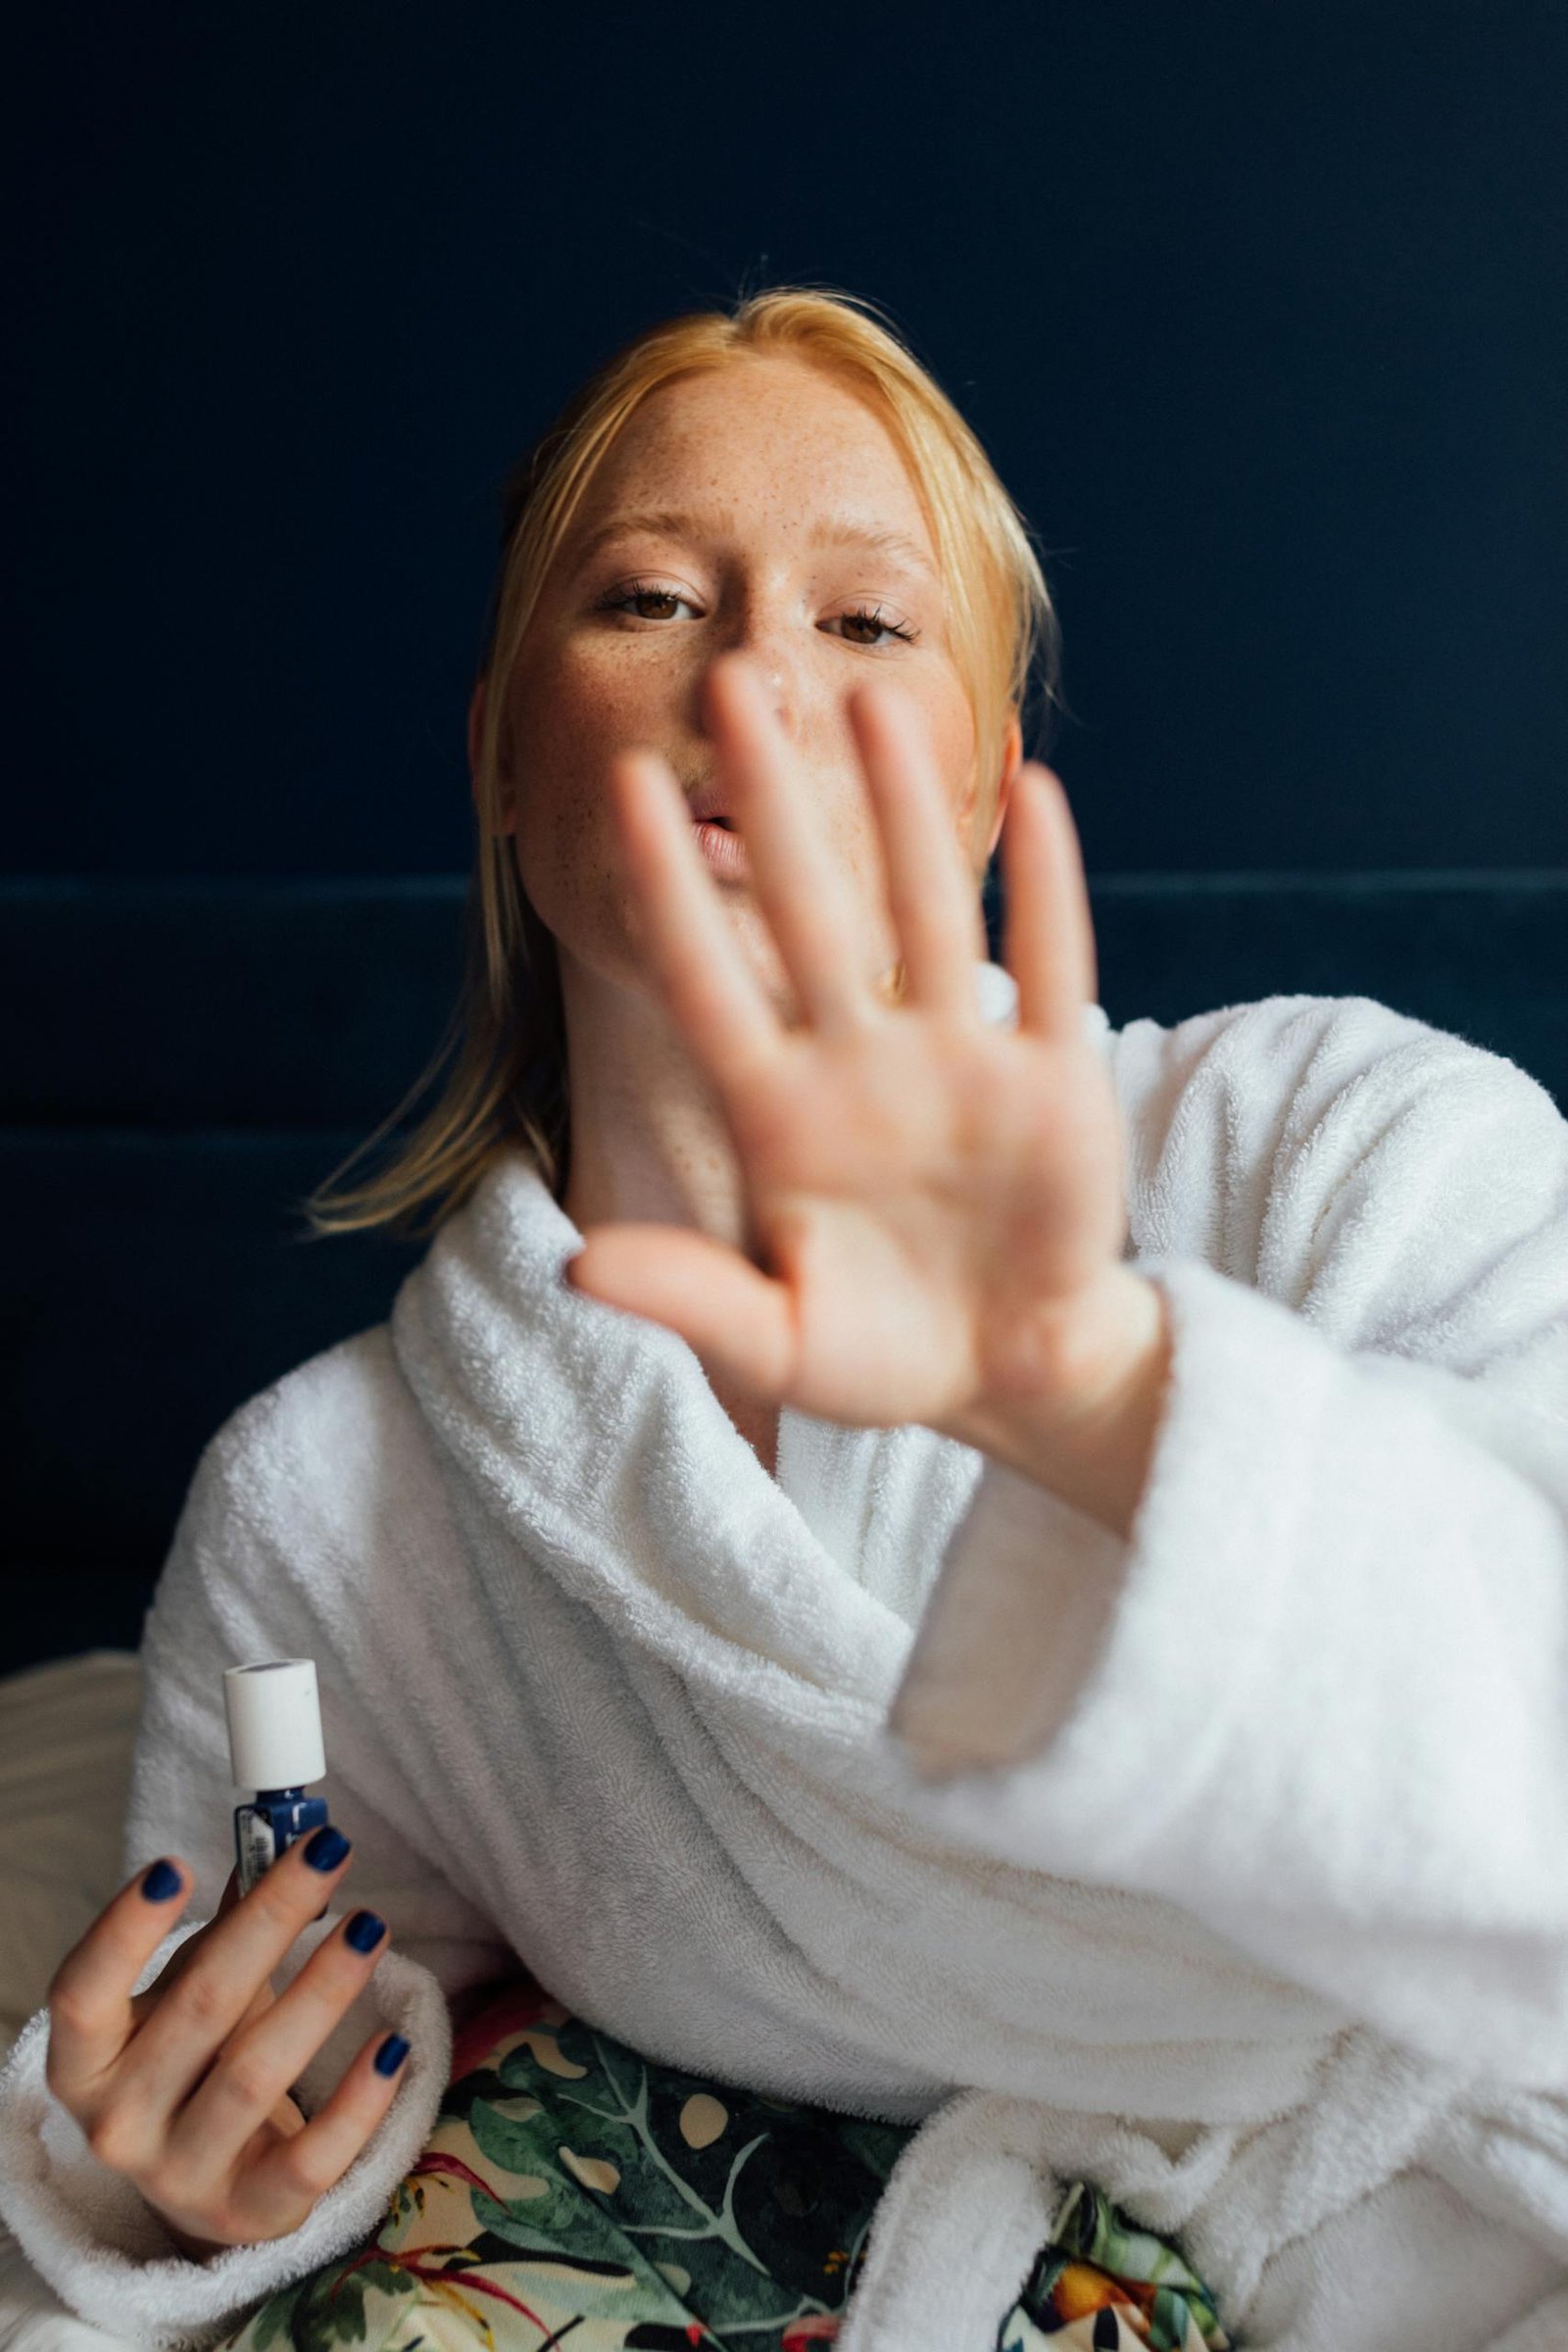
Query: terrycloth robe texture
{"points": [[1246, 1893]]}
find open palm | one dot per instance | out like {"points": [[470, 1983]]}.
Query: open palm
{"points": [[936, 1202]]}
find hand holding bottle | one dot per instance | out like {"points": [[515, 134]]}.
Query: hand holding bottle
{"points": [[185, 2087]]}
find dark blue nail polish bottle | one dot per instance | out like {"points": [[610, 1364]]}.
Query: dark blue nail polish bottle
{"points": [[274, 1747]]}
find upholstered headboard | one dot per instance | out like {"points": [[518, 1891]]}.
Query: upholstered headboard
{"points": [[188, 1058]]}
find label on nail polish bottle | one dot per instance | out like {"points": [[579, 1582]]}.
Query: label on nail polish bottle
{"points": [[269, 1825], [254, 1846]]}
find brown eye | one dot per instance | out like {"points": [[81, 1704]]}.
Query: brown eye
{"points": [[873, 618], [642, 592]]}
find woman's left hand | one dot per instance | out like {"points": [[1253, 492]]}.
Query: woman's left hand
{"points": [[937, 1202]]}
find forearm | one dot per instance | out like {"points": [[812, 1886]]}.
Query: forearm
{"points": [[1316, 1701]]}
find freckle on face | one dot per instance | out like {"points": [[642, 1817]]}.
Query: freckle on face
{"points": [[775, 445]]}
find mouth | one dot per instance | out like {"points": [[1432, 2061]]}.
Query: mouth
{"points": [[723, 851]]}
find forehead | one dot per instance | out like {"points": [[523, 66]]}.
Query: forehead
{"points": [[766, 429]]}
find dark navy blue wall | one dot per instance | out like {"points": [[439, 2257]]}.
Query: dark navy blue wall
{"points": [[1262, 310]]}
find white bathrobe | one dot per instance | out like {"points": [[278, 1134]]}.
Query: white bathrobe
{"points": [[1248, 1894]]}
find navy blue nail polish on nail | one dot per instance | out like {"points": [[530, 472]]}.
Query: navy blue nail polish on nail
{"points": [[390, 2056], [364, 1931], [160, 1881], [326, 1849]]}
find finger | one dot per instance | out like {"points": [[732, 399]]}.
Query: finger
{"points": [[173, 2047], [712, 990], [295, 2174], [89, 1997], [739, 1323], [261, 2062], [1049, 933], [797, 880], [180, 1960], [143, 2003], [932, 895]]}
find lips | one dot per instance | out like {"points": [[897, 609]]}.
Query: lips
{"points": [[723, 851]]}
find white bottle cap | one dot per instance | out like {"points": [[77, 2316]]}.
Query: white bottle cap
{"points": [[274, 1723]]}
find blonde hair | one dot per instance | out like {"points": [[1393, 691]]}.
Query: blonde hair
{"points": [[508, 1086]]}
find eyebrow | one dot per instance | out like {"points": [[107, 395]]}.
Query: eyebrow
{"points": [[841, 530]]}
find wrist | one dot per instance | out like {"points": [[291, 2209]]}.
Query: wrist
{"points": [[1071, 1367], [1085, 1423]]}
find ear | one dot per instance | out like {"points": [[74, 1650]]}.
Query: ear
{"points": [[477, 708], [1011, 761]]}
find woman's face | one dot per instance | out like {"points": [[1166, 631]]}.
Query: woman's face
{"points": [[735, 511]]}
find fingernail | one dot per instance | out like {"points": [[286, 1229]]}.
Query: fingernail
{"points": [[325, 1848], [390, 2056], [364, 1931], [160, 1881]]}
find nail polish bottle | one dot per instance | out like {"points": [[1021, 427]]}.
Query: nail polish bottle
{"points": [[274, 1747]]}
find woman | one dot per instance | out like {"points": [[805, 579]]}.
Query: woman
{"points": [[908, 1555]]}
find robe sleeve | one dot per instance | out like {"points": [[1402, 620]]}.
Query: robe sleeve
{"points": [[235, 1589], [1319, 1696]]}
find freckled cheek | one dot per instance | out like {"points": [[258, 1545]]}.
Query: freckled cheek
{"points": [[621, 687], [584, 716], [568, 839], [573, 871], [572, 858], [949, 729]]}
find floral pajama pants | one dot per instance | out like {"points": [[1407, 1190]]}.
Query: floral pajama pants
{"points": [[574, 2194]]}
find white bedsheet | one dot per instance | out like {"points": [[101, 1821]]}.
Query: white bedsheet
{"points": [[66, 1734]]}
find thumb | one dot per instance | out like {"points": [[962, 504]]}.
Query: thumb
{"points": [[738, 1320]]}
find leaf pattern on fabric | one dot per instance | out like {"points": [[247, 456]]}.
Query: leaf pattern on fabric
{"points": [[1102, 2283], [576, 2194]]}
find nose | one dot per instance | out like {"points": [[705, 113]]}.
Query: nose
{"points": [[766, 670]]}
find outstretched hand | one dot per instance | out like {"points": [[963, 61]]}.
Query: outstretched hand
{"points": [[937, 1203]]}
